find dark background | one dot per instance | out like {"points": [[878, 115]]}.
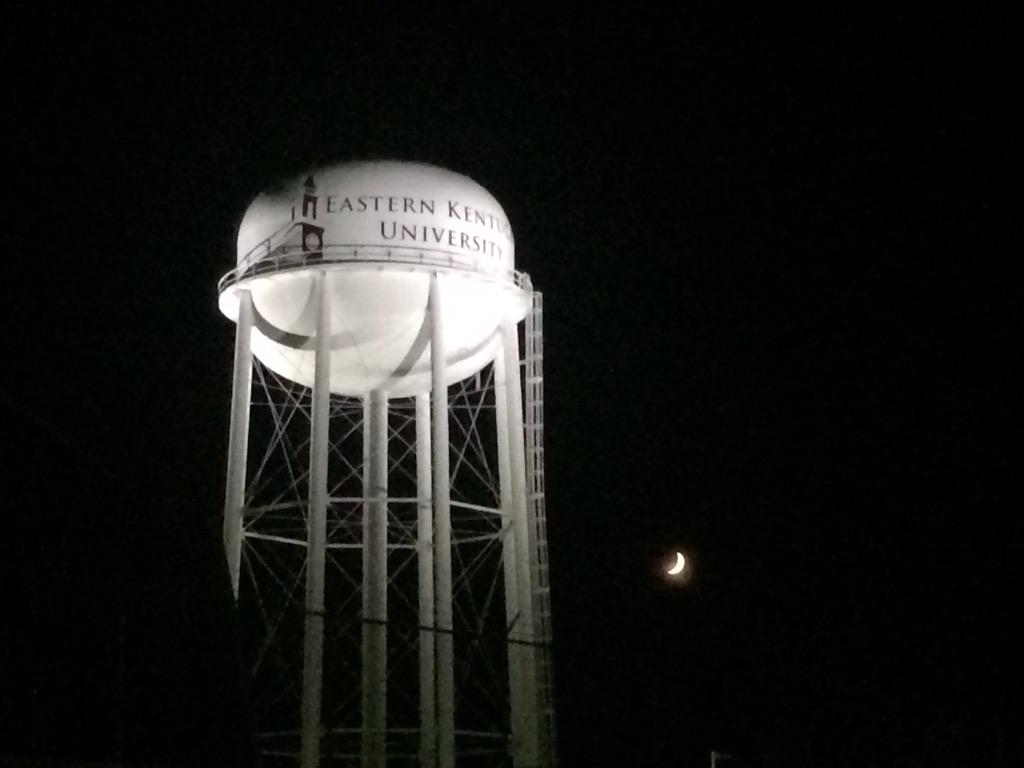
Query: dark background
{"points": [[781, 333]]}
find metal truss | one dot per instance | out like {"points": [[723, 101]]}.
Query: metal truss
{"points": [[271, 608]]}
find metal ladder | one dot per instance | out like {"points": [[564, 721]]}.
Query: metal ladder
{"points": [[534, 428]]}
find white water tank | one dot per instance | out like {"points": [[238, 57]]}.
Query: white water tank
{"points": [[378, 231]]}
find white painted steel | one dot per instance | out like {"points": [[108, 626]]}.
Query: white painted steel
{"points": [[356, 203], [425, 580], [238, 441], [380, 303], [375, 583], [313, 647], [518, 695], [326, 308], [523, 631], [442, 535]]}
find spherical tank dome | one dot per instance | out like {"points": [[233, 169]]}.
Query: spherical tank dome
{"points": [[376, 233]]}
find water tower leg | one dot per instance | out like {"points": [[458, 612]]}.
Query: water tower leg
{"points": [[425, 567], [517, 701], [524, 599], [313, 648], [442, 536], [238, 440], [375, 582]]}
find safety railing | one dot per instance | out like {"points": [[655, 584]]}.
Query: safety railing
{"points": [[266, 246], [259, 262]]}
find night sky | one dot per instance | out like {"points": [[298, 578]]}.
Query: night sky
{"points": [[781, 333]]}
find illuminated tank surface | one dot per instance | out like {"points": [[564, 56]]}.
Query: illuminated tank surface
{"points": [[377, 230]]}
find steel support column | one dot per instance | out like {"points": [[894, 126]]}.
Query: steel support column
{"points": [[517, 693], [523, 632], [425, 568], [442, 534], [238, 440], [375, 582], [316, 520]]}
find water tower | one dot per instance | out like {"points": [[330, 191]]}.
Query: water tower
{"points": [[384, 516]]}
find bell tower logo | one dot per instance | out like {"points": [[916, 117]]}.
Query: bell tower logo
{"points": [[305, 217]]}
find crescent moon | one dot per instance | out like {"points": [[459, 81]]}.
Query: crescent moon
{"points": [[678, 567]]}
